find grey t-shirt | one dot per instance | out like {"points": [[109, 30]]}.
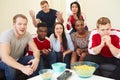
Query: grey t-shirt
{"points": [[17, 46]]}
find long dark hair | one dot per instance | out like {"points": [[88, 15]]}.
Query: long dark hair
{"points": [[79, 9], [64, 39]]}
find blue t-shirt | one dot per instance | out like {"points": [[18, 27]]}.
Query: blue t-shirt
{"points": [[49, 18]]}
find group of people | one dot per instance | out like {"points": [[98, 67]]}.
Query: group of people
{"points": [[28, 54]]}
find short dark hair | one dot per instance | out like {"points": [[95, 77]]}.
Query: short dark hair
{"points": [[41, 24]]}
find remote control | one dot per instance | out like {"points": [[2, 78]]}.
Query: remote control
{"points": [[64, 75]]}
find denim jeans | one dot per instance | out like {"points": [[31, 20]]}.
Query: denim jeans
{"points": [[67, 58], [48, 60], [10, 73]]}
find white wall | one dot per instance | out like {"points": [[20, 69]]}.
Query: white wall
{"points": [[9, 8], [93, 10]]}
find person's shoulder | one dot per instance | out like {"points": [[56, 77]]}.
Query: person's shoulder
{"points": [[94, 31], [89, 31], [115, 32], [35, 38], [7, 36], [71, 15], [40, 12], [67, 34], [47, 38], [8, 32], [73, 34], [52, 35], [28, 35], [53, 10]]}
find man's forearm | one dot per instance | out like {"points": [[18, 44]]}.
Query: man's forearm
{"points": [[115, 51], [12, 63], [36, 54], [34, 21], [97, 49]]}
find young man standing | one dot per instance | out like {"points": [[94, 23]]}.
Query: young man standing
{"points": [[12, 45], [46, 15]]}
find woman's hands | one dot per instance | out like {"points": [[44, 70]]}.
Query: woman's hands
{"points": [[79, 51]]}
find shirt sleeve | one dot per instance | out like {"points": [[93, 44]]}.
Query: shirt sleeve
{"points": [[55, 43], [4, 38], [91, 42], [38, 15], [29, 36], [69, 42]]}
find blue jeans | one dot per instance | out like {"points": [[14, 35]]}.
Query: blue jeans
{"points": [[67, 58], [48, 60], [10, 73]]}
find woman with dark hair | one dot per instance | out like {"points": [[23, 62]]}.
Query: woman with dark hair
{"points": [[61, 44], [76, 14], [80, 41]]}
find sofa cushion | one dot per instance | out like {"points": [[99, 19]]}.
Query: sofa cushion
{"points": [[2, 76], [107, 69]]}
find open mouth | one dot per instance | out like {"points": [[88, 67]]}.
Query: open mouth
{"points": [[22, 30]]}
